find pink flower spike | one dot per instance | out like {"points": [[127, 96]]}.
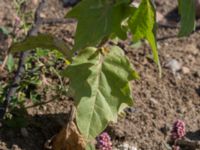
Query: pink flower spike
{"points": [[17, 21], [178, 130], [104, 142]]}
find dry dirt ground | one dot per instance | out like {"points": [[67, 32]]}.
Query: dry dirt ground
{"points": [[158, 101]]}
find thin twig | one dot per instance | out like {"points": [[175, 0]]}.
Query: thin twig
{"points": [[72, 113], [4, 63], [53, 21], [40, 104], [43, 103], [20, 71]]}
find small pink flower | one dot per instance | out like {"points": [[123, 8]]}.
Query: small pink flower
{"points": [[178, 130], [16, 25], [104, 142], [17, 21]]}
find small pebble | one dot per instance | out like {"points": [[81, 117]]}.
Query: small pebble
{"points": [[35, 2], [185, 70], [126, 146], [154, 100], [43, 15], [174, 65], [24, 132], [15, 147], [159, 17]]}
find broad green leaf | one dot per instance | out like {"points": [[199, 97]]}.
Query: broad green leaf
{"points": [[90, 147], [142, 25], [98, 19], [42, 41], [101, 88], [187, 12]]}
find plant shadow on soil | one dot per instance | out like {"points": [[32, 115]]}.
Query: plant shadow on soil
{"points": [[195, 136], [198, 90], [173, 15], [40, 128]]}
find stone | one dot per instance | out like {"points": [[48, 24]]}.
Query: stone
{"points": [[185, 70], [15, 147], [24, 132], [174, 65], [35, 2], [126, 146], [159, 17]]}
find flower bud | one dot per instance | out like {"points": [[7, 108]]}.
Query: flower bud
{"points": [[104, 142], [178, 130]]}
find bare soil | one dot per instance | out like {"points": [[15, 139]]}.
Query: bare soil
{"points": [[158, 102]]}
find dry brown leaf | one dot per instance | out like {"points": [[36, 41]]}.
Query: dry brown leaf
{"points": [[69, 138]]}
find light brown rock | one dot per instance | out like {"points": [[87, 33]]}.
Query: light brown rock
{"points": [[185, 70], [35, 2], [159, 17]]}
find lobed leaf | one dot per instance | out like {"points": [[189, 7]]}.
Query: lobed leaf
{"points": [[42, 41], [187, 12], [98, 19], [101, 88]]}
